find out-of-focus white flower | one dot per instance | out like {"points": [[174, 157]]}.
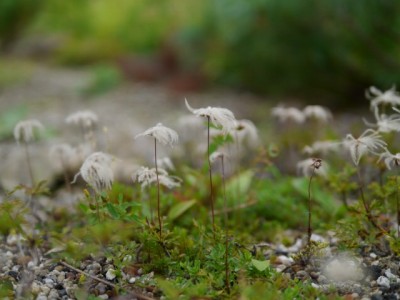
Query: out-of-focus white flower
{"points": [[220, 117], [25, 130], [317, 112], [322, 147], [84, 118], [61, 156], [391, 160], [146, 177], [246, 131], [288, 114], [369, 141], [165, 163], [217, 155], [97, 172], [162, 134], [309, 166], [377, 97], [385, 123]]}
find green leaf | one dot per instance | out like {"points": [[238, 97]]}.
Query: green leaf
{"points": [[260, 265], [178, 209], [112, 210], [239, 185]]}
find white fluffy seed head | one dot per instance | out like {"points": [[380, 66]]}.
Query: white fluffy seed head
{"points": [[285, 114], [377, 97], [61, 156], [220, 117], [84, 118], [312, 165], [317, 112], [146, 177], [97, 172], [25, 130], [162, 134], [246, 132], [322, 147], [369, 142], [391, 160], [216, 155]]}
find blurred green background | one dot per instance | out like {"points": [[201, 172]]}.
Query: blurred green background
{"points": [[316, 50]]}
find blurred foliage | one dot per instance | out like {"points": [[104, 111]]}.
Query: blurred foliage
{"points": [[15, 16], [302, 47], [305, 48], [103, 79], [95, 30]]}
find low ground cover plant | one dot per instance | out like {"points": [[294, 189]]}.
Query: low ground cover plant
{"points": [[278, 226]]}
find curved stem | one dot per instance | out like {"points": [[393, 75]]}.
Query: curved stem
{"points": [[28, 160], [210, 172], [226, 229], [366, 206], [158, 189], [309, 231]]}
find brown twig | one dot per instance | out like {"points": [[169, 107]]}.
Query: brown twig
{"points": [[134, 294], [210, 172]]}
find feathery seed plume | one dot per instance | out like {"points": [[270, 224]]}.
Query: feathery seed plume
{"points": [[97, 172], [84, 118], [288, 114], [377, 97], [24, 130], [162, 134], [369, 141], [317, 112], [220, 117]]}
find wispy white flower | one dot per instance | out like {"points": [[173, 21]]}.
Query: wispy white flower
{"points": [[322, 147], [84, 118], [369, 141], [61, 156], [288, 114], [220, 117], [377, 97], [217, 155], [317, 112], [97, 172], [166, 163], [25, 130], [162, 134], [246, 131], [146, 177], [385, 123], [390, 159], [307, 166]]}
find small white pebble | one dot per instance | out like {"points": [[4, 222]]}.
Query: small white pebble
{"points": [[373, 255], [315, 286], [104, 296], [132, 280], [31, 265], [383, 281], [16, 268], [48, 281], [389, 274], [283, 259], [41, 296], [110, 275], [375, 263]]}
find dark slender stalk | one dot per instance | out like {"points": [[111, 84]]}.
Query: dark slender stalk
{"points": [[66, 177], [158, 189], [28, 160], [210, 172], [309, 231], [227, 285], [344, 199], [368, 214]]}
